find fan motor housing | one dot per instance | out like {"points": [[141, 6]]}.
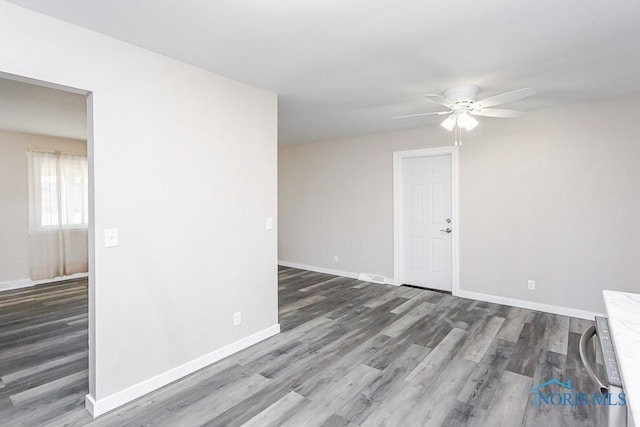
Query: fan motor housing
{"points": [[462, 94]]}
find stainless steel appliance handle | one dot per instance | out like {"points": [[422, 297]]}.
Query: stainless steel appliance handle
{"points": [[584, 341]]}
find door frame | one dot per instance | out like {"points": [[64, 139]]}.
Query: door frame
{"points": [[398, 156]]}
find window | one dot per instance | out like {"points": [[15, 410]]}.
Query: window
{"points": [[58, 191]]}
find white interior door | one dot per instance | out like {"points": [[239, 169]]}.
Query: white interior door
{"points": [[426, 227]]}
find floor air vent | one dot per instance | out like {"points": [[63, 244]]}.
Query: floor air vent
{"points": [[374, 278]]}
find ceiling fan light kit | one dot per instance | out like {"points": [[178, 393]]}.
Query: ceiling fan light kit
{"points": [[466, 122], [462, 104], [449, 123]]}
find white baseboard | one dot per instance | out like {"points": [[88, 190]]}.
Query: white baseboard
{"points": [[90, 405], [319, 269], [530, 305], [104, 405], [25, 283], [340, 273]]}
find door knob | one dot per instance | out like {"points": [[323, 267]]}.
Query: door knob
{"points": [[447, 230]]}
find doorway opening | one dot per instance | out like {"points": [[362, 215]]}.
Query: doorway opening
{"points": [[46, 272]]}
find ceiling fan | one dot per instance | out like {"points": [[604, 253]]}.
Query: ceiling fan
{"points": [[462, 105]]}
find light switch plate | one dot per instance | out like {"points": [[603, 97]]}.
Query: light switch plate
{"points": [[268, 224], [110, 237]]}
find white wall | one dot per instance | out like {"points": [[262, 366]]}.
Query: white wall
{"points": [[184, 163], [552, 197], [14, 196]]}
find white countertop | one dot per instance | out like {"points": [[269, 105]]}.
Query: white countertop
{"points": [[623, 311]]}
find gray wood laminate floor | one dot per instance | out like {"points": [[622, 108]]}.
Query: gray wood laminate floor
{"points": [[350, 353], [43, 352]]}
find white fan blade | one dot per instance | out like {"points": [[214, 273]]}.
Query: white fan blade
{"points": [[439, 113], [439, 99], [496, 112], [503, 98]]}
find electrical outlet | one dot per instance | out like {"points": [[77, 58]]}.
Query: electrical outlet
{"points": [[531, 284], [237, 318], [335, 258]]}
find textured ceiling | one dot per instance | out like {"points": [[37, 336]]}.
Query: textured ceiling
{"points": [[344, 68]]}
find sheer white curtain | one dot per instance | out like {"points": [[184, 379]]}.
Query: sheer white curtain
{"points": [[58, 214]]}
